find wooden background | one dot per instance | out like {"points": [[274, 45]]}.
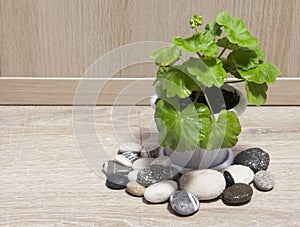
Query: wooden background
{"points": [[62, 38]]}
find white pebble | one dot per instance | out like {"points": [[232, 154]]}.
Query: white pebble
{"points": [[126, 158], [132, 176], [160, 192], [142, 163], [240, 173], [162, 160], [130, 146], [205, 184]]}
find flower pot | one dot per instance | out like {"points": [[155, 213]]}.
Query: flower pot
{"points": [[200, 158]]}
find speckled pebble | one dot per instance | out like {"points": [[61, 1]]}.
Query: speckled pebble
{"points": [[240, 173], [160, 192], [132, 175], [115, 181], [135, 189], [142, 163], [155, 173], [205, 184], [264, 180], [162, 160], [255, 158], [130, 147], [237, 194], [184, 203]]}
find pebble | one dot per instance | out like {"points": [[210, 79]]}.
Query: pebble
{"points": [[126, 158], [112, 167], [151, 151], [134, 188], [142, 163], [130, 147], [132, 176], [255, 158], [264, 180], [228, 178], [205, 184], [240, 173], [162, 160], [184, 203], [237, 194], [115, 181], [155, 173], [160, 192]]}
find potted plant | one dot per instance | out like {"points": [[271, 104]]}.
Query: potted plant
{"points": [[196, 110]]}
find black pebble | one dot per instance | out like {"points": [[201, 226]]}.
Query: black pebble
{"points": [[255, 158], [115, 181], [228, 178], [237, 194]]}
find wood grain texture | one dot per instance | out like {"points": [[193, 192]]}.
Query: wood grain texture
{"points": [[114, 91], [62, 38], [45, 181]]}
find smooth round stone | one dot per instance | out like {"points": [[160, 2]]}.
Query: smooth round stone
{"points": [[205, 184], [264, 180], [160, 192], [237, 194], [134, 188], [151, 151], [255, 158], [126, 158], [130, 146], [142, 163], [240, 173], [112, 167], [228, 178], [184, 203], [115, 181], [132, 176], [162, 160], [155, 173]]}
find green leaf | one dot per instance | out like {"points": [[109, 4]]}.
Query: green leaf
{"points": [[236, 30], [224, 131], [161, 71], [166, 55], [208, 72], [224, 42], [197, 43], [181, 130], [176, 82], [256, 93], [263, 73], [212, 29], [231, 68], [247, 58]]}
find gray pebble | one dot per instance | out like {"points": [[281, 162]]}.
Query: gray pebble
{"points": [[112, 167], [264, 180], [255, 158], [115, 181], [184, 203], [151, 151]]}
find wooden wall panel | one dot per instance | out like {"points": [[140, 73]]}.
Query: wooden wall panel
{"points": [[61, 38]]}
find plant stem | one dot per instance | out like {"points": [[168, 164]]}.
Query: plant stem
{"points": [[195, 100], [225, 48], [199, 54], [234, 81], [208, 103]]}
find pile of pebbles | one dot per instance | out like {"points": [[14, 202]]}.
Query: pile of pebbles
{"points": [[143, 172]]}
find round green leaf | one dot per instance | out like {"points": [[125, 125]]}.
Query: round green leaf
{"points": [[166, 55], [256, 93]]}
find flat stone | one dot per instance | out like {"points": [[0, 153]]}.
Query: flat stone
{"points": [[134, 188], [130, 147], [240, 173], [132, 176], [255, 158], [155, 173], [264, 180], [205, 184], [160, 192], [112, 167], [115, 181], [184, 203], [142, 163], [162, 160], [228, 178], [151, 151], [237, 194], [126, 158]]}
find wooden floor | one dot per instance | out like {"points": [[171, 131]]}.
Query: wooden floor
{"points": [[51, 160]]}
